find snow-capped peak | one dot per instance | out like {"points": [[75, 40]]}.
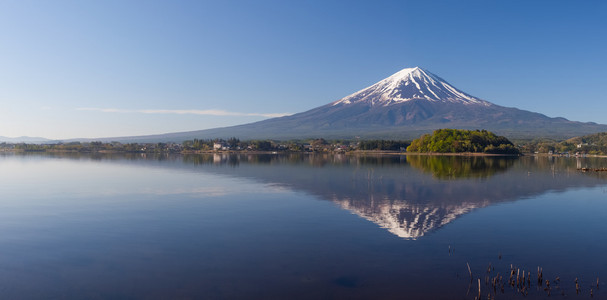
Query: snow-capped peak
{"points": [[409, 84]]}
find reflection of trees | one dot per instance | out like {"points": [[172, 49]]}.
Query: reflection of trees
{"points": [[453, 167], [100, 156], [232, 159], [380, 160], [313, 160]]}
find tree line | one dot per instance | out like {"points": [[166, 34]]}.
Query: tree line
{"points": [[393, 145], [98, 146]]}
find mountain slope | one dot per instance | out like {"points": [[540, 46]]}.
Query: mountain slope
{"points": [[404, 105]]}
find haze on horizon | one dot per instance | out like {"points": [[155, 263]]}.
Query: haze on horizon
{"points": [[121, 68]]}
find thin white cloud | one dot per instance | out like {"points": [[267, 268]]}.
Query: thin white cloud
{"points": [[207, 112]]}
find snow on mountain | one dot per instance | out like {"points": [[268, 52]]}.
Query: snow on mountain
{"points": [[409, 84]]}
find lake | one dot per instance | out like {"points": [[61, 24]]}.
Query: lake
{"points": [[299, 226]]}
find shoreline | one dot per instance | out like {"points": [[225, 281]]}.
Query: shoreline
{"points": [[355, 152]]}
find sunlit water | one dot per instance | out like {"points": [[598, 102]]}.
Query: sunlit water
{"points": [[298, 226]]}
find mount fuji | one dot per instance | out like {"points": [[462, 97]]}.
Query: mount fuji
{"points": [[404, 105]]}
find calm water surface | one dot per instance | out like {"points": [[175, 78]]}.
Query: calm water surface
{"points": [[298, 226]]}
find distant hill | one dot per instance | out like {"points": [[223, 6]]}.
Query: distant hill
{"points": [[597, 139], [405, 105], [24, 139], [593, 144]]}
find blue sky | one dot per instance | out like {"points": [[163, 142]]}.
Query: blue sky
{"points": [[117, 68]]}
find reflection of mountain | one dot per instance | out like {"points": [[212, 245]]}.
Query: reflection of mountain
{"points": [[407, 202], [406, 220], [409, 196]]}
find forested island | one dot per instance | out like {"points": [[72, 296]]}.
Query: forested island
{"points": [[440, 141], [462, 141]]}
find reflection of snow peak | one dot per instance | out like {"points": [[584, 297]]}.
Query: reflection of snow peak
{"points": [[409, 84], [406, 220]]}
